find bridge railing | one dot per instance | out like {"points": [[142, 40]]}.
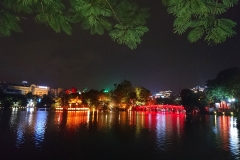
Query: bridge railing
{"points": [[161, 108]]}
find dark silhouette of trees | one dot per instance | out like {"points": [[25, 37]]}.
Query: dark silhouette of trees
{"points": [[90, 98], [7, 100], [123, 93], [46, 101], [193, 101]]}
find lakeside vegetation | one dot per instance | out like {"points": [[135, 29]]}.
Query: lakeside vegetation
{"points": [[224, 88]]}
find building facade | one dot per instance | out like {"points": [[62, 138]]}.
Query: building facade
{"points": [[34, 89], [197, 89], [163, 94]]}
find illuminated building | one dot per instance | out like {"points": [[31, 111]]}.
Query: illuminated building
{"points": [[197, 89], [34, 89], [12, 91], [163, 94], [55, 92]]}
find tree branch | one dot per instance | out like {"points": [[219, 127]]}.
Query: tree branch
{"points": [[113, 11]]}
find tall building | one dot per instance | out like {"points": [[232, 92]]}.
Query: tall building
{"points": [[163, 94], [55, 92]]}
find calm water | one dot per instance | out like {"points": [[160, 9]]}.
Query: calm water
{"points": [[32, 134]]}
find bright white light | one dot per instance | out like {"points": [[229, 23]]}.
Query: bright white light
{"points": [[43, 87]]}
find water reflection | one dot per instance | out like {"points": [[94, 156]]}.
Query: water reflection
{"points": [[234, 137], [227, 132], [30, 124], [144, 133], [40, 127]]}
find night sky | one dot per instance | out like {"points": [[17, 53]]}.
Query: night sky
{"points": [[163, 61]]}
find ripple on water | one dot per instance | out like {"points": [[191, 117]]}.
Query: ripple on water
{"points": [[124, 135]]}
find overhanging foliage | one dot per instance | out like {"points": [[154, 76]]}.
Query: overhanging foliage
{"points": [[123, 20]]}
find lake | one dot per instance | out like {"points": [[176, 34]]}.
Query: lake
{"points": [[39, 134]]}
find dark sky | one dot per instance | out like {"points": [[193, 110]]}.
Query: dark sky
{"points": [[163, 61]]}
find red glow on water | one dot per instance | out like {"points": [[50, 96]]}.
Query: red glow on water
{"points": [[169, 124]]}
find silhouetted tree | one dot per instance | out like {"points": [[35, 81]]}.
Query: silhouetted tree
{"points": [[46, 101], [123, 92], [192, 100], [91, 97], [7, 100]]}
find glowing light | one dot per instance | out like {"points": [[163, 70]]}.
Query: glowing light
{"points": [[43, 87], [73, 109], [79, 108], [59, 108], [30, 109]]}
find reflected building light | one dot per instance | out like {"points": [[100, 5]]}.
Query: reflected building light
{"points": [[119, 118], [21, 128], [20, 137], [29, 116], [40, 126], [178, 126], [30, 103], [224, 127], [58, 119], [30, 109], [215, 120], [92, 115], [97, 115], [149, 120], [161, 130], [110, 119], [76, 118], [234, 137], [13, 118], [88, 117], [138, 123], [130, 118], [14, 110]]}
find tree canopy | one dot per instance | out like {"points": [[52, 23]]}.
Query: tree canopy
{"points": [[192, 100], [123, 20], [225, 85]]}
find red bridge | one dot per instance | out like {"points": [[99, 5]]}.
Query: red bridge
{"points": [[161, 108]]}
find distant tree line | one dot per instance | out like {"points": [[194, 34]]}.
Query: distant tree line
{"points": [[7, 100], [225, 87], [122, 96], [18, 100]]}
